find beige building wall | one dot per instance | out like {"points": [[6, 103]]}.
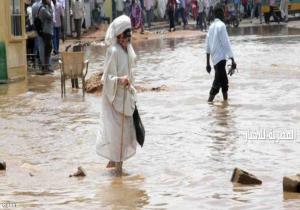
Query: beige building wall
{"points": [[15, 45]]}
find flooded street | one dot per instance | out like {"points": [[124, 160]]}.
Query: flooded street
{"points": [[191, 146]]}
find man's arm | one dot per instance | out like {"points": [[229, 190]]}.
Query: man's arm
{"points": [[208, 67]]}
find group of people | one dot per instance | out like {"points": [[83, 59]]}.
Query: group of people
{"points": [[117, 139], [137, 10], [46, 18], [252, 8], [51, 13], [202, 11]]}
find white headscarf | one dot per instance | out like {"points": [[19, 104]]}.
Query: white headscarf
{"points": [[117, 27]]}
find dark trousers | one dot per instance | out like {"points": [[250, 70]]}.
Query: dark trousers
{"points": [[47, 39], [221, 80], [30, 49], [273, 14], [107, 19], [171, 18], [149, 17], [210, 16], [201, 22], [78, 24], [56, 36], [181, 14], [247, 11]]}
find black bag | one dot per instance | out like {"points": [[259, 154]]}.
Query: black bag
{"points": [[139, 127], [38, 25], [83, 24]]}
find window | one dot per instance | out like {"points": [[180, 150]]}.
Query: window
{"points": [[16, 17]]}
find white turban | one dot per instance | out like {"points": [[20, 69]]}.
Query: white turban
{"points": [[117, 27]]}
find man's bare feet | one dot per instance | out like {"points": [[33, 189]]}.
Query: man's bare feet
{"points": [[119, 168], [111, 164]]}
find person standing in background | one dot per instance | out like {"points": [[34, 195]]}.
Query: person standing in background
{"points": [[78, 15], [181, 12], [136, 16], [209, 10], [119, 7], [46, 16], [272, 12], [284, 10], [246, 8], [201, 19], [38, 44], [98, 15], [171, 7], [148, 7], [127, 7], [29, 30], [256, 6], [195, 8], [237, 5], [59, 14]]}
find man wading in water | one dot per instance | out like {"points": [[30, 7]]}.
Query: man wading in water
{"points": [[218, 46], [117, 141]]}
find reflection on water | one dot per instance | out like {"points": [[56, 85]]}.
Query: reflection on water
{"points": [[222, 132], [191, 146], [123, 193], [264, 30]]}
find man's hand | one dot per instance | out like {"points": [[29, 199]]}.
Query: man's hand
{"points": [[233, 64], [124, 80], [233, 67], [208, 68]]}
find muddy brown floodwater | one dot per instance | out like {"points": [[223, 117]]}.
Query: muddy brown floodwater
{"points": [[191, 146]]}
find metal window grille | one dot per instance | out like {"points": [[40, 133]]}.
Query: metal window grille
{"points": [[16, 18]]}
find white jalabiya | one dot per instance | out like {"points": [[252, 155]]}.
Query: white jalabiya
{"points": [[162, 5], [284, 8], [118, 63]]}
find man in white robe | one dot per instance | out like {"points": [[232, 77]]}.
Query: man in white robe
{"points": [[284, 9], [117, 141]]}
